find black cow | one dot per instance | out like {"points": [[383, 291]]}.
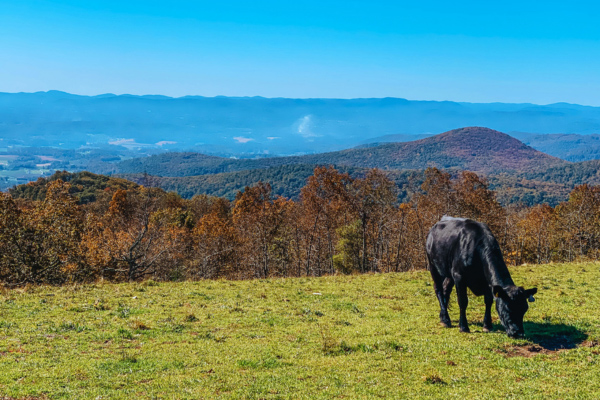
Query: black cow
{"points": [[464, 253]]}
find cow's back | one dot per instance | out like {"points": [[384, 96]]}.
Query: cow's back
{"points": [[454, 247]]}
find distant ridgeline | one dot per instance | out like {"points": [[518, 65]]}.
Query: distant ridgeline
{"points": [[476, 149], [517, 172], [261, 126]]}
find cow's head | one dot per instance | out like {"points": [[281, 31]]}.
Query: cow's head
{"points": [[511, 303]]}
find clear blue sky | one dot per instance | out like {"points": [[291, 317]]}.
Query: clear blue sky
{"points": [[478, 51]]}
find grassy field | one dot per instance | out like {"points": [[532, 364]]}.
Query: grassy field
{"points": [[370, 336]]}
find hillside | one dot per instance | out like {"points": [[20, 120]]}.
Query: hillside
{"points": [[86, 186], [359, 336], [285, 181], [570, 174], [288, 180], [518, 173], [477, 149], [570, 147]]}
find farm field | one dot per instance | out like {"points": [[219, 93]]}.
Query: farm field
{"points": [[360, 336]]}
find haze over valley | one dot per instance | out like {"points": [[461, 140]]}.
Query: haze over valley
{"points": [[48, 131]]}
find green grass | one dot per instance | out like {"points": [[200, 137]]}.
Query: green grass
{"points": [[369, 336]]}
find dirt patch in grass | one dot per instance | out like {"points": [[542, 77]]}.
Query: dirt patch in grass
{"points": [[591, 343], [433, 379], [524, 351], [548, 345]]}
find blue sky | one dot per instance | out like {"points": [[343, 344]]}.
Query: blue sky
{"points": [[509, 51]]}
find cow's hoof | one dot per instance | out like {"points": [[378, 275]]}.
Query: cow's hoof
{"points": [[445, 324], [465, 330]]}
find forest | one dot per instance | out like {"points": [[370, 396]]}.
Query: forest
{"points": [[118, 231]]}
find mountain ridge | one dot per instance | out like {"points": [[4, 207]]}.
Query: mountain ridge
{"points": [[473, 148], [254, 126], [519, 173]]}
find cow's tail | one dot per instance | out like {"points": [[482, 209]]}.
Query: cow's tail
{"points": [[429, 264], [428, 244]]}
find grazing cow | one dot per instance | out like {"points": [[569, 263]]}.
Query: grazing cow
{"points": [[464, 253]]}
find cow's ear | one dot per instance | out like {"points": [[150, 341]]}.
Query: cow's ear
{"points": [[529, 294], [500, 292]]}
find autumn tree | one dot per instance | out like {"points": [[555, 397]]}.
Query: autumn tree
{"points": [[476, 201], [372, 199], [136, 238], [326, 205], [41, 244], [436, 199], [580, 222], [258, 219], [535, 232], [214, 242], [515, 240], [14, 234], [405, 250]]}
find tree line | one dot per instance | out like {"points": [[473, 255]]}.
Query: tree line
{"points": [[339, 224]]}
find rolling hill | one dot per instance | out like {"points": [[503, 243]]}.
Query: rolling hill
{"points": [[474, 148], [288, 180], [519, 173], [570, 147], [85, 186], [477, 149]]}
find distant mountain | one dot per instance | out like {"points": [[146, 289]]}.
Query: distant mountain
{"points": [[256, 126], [570, 147], [519, 173], [476, 149]]}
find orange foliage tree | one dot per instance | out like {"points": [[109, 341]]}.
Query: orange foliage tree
{"points": [[214, 243], [135, 238], [259, 219], [40, 244], [340, 224]]}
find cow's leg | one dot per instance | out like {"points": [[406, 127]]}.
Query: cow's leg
{"points": [[447, 290], [487, 319], [463, 302], [439, 285]]}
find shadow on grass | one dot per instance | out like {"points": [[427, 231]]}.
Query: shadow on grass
{"points": [[554, 337], [548, 336]]}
